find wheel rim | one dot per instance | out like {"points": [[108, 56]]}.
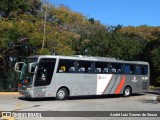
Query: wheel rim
{"points": [[127, 92], [61, 94]]}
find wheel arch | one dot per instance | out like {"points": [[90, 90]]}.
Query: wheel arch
{"points": [[127, 86], [65, 88]]}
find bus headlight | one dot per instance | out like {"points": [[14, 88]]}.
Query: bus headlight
{"points": [[29, 88]]}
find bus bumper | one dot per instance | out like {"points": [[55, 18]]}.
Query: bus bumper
{"points": [[26, 93]]}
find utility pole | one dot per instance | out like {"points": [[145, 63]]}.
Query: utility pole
{"points": [[44, 29]]}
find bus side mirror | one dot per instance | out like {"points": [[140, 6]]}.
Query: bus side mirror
{"points": [[18, 66], [32, 67]]}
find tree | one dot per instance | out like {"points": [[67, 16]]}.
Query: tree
{"points": [[152, 55], [147, 32], [13, 8]]}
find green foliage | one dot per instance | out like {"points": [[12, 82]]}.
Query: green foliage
{"points": [[157, 83], [64, 15], [147, 32], [155, 54], [124, 47], [44, 51], [12, 8]]}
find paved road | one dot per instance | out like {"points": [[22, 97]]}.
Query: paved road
{"points": [[143, 102]]}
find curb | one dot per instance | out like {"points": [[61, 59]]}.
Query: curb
{"points": [[9, 93]]}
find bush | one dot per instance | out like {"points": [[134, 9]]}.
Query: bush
{"points": [[8, 81], [157, 83]]}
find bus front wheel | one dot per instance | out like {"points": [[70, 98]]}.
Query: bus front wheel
{"points": [[127, 91], [62, 94]]}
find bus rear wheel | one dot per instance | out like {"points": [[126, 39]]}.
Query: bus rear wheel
{"points": [[62, 94], [127, 91]]}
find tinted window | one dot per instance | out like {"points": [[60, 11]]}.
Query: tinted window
{"points": [[84, 66], [66, 66], [101, 67], [142, 69], [45, 71], [116, 68], [129, 69]]}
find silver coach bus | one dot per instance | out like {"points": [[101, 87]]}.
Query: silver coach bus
{"points": [[64, 76]]}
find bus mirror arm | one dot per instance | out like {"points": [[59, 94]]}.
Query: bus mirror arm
{"points": [[32, 67], [18, 66]]}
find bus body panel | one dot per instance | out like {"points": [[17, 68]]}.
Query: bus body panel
{"points": [[88, 84], [77, 84]]}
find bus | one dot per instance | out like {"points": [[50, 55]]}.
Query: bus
{"points": [[65, 76]]}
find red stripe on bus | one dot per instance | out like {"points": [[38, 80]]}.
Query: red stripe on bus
{"points": [[107, 84], [121, 84]]}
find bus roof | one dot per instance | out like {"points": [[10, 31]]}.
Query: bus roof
{"points": [[88, 58]]}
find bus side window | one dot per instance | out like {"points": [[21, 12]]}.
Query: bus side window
{"points": [[105, 70], [82, 69], [62, 69], [84, 66], [144, 70], [98, 70], [132, 69], [66, 66], [119, 71], [113, 70], [138, 70], [116, 68], [89, 70], [102, 67], [71, 69], [129, 69]]}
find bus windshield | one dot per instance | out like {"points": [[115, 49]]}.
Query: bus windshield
{"points": [[26, 76]]}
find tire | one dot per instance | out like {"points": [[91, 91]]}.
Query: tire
{"points": [[62, 94], [127, 91]]}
